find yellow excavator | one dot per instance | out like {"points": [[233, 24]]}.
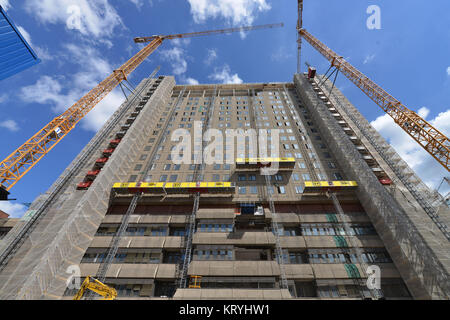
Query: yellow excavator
{"points": [[96, 286]]}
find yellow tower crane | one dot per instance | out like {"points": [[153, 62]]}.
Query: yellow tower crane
{"points": [[18, 163], [431, 139]]}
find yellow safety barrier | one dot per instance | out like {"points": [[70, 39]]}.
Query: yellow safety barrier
{"points": [[174, 187], [322, 186]]}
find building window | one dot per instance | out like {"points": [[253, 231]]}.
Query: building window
{"points": [[298, 189], [138, 167], [306, 177], [173, 178], [214, 227], [242, 190], [281, 190], [163, 178], [338, 176]]}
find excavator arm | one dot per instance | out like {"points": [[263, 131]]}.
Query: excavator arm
{"points": [[96, 286]]}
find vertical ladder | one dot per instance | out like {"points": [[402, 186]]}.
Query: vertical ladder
{"points": [[275, 227], [277, 231], [199, 169], [114, 246], [188, 243]]}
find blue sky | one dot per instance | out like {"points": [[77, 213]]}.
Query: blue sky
{"points": [[408, 56]]}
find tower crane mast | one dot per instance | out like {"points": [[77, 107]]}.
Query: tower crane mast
{"points": [[299, 38], [19, 162]]}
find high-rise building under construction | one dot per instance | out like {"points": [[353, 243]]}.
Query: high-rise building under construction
{"points": [[341, 207]]}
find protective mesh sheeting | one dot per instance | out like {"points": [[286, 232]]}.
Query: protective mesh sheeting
{"points": [[404, 176], [68, 223], [413, 246]]}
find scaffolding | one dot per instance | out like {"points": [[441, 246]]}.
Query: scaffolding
{"points": [[68, 219], [375, 293], [21, 231], [399, 167], [418, 250]]}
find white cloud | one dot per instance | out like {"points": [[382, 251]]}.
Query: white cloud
{"points": [[235, 12], [448, 71], [191, 81], [15, 210], [369, 58], [5, 4], [281, 54], [103, 111], [46, 90], [42, 53], [224, 75], [211, 56], [61, 92], [426, 167], [25, 34], [95, 18], [138, 3], [180, 42], [176, 57], [3, 98], [11, 125]]}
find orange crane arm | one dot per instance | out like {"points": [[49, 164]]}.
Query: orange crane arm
{"points": [[431, 139], [207, 33], [18, 163]]}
